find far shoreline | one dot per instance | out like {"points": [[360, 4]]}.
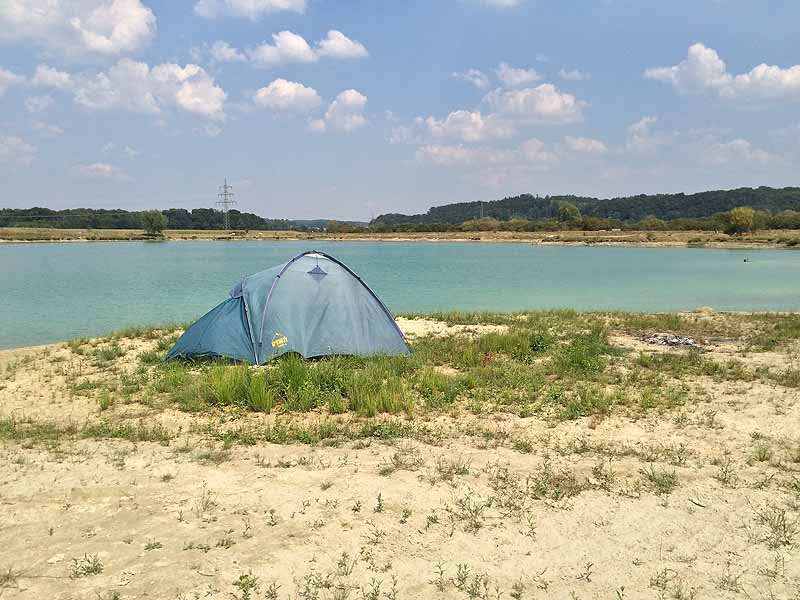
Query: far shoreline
{"points": [[767, 239]]}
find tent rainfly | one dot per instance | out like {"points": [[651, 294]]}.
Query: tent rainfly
{"points": [[313, 305]]}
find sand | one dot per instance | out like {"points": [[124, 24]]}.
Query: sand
{"points": [[188, 518], [655, 239]]}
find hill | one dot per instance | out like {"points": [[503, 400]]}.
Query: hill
{"points": [[627, 209]]}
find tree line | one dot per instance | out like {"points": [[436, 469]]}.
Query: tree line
{"points": [[738, 220], [733, 211], [682, 211], [176, 218]]}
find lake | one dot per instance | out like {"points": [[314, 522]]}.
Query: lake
{"points": [[53, 292]]}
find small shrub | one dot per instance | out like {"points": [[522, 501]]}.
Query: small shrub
{"points": [[85, 566], [780, 530], [105, 401], [663, 481]]}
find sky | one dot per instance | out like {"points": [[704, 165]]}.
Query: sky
{"points": [[348, 109]]}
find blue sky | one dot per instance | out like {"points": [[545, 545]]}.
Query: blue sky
{"points": [[348, 109]]}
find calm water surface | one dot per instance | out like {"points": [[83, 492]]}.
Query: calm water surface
{"points": [[53, 292]]}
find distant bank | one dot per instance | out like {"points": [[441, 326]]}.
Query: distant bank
{"points": [[678, 239]]}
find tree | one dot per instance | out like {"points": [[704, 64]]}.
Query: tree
{"points": [[651, 223], [153, 222], [568, 212], [740, 220]]}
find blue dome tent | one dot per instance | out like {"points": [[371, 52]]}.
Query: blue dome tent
{"points": [[313, 305]]}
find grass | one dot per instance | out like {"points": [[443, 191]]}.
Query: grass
{"points": [[34, 430], [553, 365], [510, 368], [774, 331]]}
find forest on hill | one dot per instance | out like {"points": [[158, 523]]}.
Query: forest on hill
{"points": [[177, 218], [764, 208], [624, 210]]}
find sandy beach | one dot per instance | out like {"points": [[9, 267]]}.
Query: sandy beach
{"points": [[651, 239], [110, 490]]}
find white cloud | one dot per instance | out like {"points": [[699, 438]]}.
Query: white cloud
{"points": [[317, 126], [225, 53], [345, 113], [38, 104], [573, 75], [735, 151], [542, 104], [514, 77], [47, 130], [704, 71], [693, 148], [100, 171], [642, 127], [404, 134], [641, 139], [135, 87], [475, 77], [251, 9], [288, 47], [106, 27], [584, 145], [16, 151], [469, 126], [531, 154], [462, 156], [9, 79], [192, 88], [338, 45], [767, 82], [49, 77], [287, 96], [533, 150], [127, 150]]}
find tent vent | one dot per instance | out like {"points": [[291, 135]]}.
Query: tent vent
{"points": [[317, 273]]}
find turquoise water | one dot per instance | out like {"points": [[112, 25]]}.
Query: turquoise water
{"points": [[53, 292]]}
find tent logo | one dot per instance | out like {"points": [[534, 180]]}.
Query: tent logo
{"points": [[279, 340]]}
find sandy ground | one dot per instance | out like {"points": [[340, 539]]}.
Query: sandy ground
{"points": [[414, 328], [655, 239], [452, 515]]}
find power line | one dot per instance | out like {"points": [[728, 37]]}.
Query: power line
{"points": [[225, 202]]}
